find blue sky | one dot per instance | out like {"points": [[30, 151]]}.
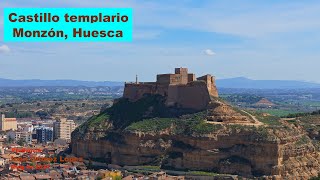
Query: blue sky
{"points": [[268, 39]]}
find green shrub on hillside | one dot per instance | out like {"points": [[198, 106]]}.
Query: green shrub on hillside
{"points": [[303, 140], [124, 112], [97, 120], [186, 125], [269, 120], [205, 128], [151, 125], [303, 114]]}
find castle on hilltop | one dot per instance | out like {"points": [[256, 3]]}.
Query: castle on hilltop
{"points": [[181, 89]]}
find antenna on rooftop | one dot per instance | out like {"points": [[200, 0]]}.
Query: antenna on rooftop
{"points": [[136, 79]]}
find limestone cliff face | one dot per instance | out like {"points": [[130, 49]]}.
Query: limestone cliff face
{"points": [[147, 132], [233, 149], [224, 154]]}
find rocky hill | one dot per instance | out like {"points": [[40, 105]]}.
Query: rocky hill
{"points": [[264, 102], [221, 139]]}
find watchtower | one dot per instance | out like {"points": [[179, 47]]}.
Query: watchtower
{"points": [[181, 70]]}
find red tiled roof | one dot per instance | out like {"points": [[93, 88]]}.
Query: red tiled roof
{"points": [[10, 119]]}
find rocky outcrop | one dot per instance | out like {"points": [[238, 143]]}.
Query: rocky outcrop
{"points": [[264, 102], [233, 149], [218, 111], [221, 139]]}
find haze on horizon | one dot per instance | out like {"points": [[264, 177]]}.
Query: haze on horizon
{"points": [[269, 40]]}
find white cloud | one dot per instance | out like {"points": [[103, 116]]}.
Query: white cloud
{"points": [[145, 35], [4, 49], [209, 52]]}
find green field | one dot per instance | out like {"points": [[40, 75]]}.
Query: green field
{"points": [[311, 103], [277, 112]]}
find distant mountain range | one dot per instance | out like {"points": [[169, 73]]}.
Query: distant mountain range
{"points": [[242, 82], [37, 83], [221, 83]]}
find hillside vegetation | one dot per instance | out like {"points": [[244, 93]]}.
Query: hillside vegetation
{"points": [[150, 115]]}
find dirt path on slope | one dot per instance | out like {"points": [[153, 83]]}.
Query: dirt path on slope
{"points": [[256, 121]]}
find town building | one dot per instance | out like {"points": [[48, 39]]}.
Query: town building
{"points": [[1, 148], [63, 129], [44, 134], [20, 135], [28, 128], [7, 123]]}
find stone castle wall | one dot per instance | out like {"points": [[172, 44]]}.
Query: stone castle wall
{"points": [[181, 89], [211, 84], [194, 95], [135, 92]]}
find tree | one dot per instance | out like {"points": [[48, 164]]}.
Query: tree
{"points": [[104, 107], [9, 140], [90, 165], [21, 142], [42, 114]]}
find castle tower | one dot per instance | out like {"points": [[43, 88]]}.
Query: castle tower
{"points": [[183, 72], [211, 84]]}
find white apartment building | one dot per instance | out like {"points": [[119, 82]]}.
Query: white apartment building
{"points": [[17, 135], [63, 129]]}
